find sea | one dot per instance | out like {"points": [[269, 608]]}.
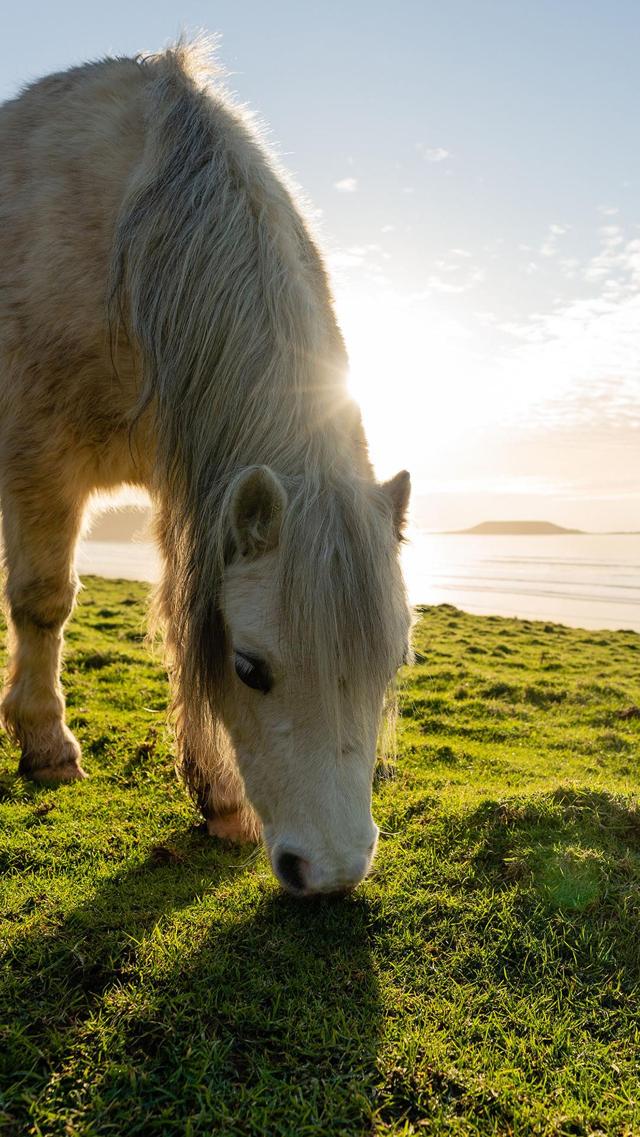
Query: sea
{"points": [[586, 580]]}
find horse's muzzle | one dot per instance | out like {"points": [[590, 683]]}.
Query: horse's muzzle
{"points": [[301, 877]]}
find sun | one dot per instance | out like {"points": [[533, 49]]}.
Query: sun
{"points": [[411, 374]]}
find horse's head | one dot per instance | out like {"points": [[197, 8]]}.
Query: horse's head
{"points": [[305, 728]]}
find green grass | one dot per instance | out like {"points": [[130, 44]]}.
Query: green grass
{"points": [[485, 980]]}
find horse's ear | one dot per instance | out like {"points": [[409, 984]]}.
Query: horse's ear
{"points": [[398, 491], [257, 508]]}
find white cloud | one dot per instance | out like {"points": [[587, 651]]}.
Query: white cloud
{"points": [[576, 369], [549, 246], [569, 267], [357, 258], [346, 185], [437, 154], [616, 258], [436, 283]]}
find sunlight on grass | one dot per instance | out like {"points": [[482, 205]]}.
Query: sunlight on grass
{"points": [[571, 878]]}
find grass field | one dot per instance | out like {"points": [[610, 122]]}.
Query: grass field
{"points": [[484, 980]]}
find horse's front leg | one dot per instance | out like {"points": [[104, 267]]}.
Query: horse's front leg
{"points": [[205, 755], [209, 770], [40, 533]]}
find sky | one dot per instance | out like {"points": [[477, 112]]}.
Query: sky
{"points": [[474, 171]]}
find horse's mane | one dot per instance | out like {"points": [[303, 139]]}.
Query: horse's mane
{"points": [[224, 294]]}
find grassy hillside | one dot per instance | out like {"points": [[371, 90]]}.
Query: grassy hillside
{"points": [[485, 980]]}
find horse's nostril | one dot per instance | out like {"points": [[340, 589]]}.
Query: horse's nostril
{"points": [[290, 869]]}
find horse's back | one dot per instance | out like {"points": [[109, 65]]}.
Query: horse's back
{"points": [[70, 144]]}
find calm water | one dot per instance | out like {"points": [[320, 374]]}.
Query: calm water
{"points": [[590, 582]]}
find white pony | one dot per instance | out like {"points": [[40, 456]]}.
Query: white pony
{"points": [[166, 321]]}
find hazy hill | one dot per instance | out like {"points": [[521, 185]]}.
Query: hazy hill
{"points": [[513, 528]]}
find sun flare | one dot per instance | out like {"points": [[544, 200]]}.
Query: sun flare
{"points": [[403, 357]]}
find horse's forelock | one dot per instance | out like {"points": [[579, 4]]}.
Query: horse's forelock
{"points": [[340, 614]]}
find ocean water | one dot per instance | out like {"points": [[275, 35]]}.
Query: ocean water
{"points": [[585, 581]]}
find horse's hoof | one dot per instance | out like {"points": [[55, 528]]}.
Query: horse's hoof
{"points": [[50, 773], [237, 826], [52, 764]]}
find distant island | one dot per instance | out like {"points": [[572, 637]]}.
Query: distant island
{"points": [[518, 528]]}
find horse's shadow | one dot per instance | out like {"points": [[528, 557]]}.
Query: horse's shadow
{"points": [[237, 1019], [206, 1010]]}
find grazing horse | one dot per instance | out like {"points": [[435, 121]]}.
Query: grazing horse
{"points": [[166, 322]]}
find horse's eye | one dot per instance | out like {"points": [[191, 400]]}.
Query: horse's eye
{"points": [[253, 672]]}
